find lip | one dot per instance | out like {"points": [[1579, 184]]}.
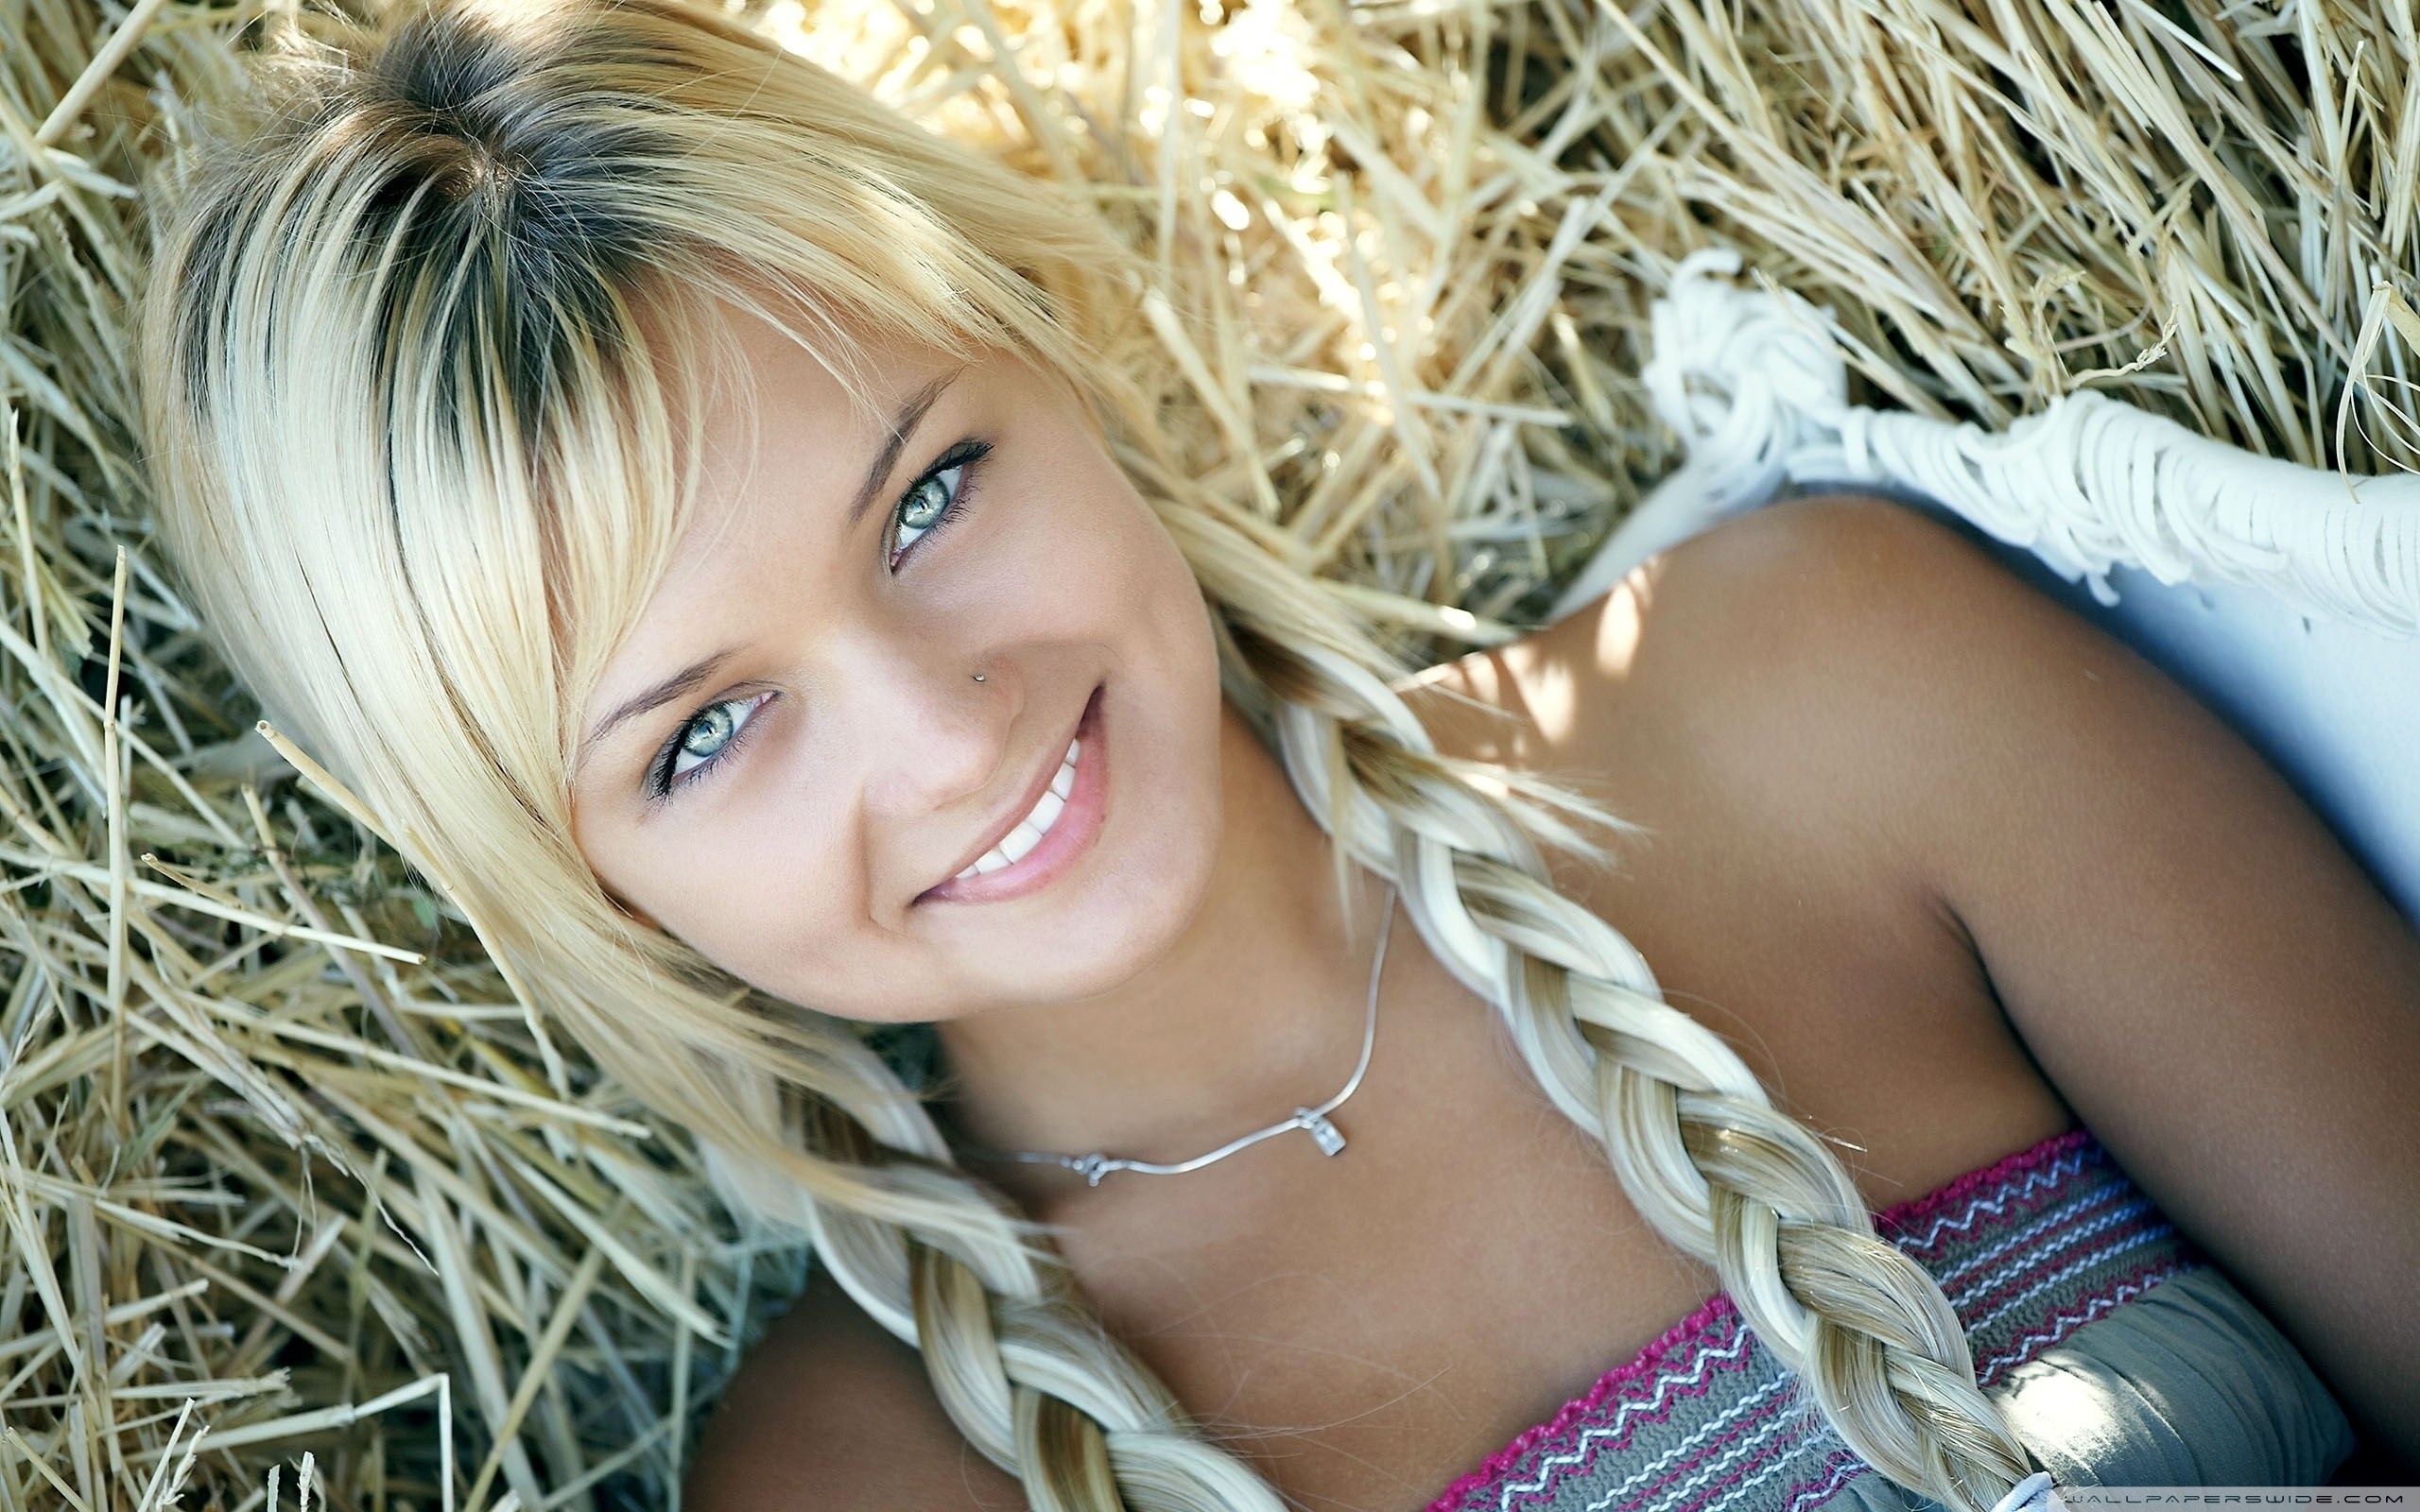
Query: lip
{"points": [[1077, 826]]}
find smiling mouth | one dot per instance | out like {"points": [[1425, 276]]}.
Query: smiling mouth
{"points": [[1058, 826], [1020, 841]]}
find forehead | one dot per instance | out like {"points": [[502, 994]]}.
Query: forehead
{"points": [[782, 411], [778, 432], [757, 378]]}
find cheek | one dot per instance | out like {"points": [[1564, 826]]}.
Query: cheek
{"points": [[761, 870], [1102, 569], [1072, 572], [1163, 704], [1073, 549], [1118, 554], [755, 881]]}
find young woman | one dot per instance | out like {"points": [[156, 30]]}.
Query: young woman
{"points": [[723, 536]]}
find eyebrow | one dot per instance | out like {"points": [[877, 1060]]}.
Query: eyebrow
{"points": [[688, 679], [903, 424], [903, 421]]}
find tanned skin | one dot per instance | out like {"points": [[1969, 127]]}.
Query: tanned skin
{"points": [[1952, 869]]}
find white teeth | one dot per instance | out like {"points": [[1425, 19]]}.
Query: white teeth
{"points": [[1020, 839], [1036, 824]]}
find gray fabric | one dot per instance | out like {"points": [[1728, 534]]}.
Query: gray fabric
{"points": [[2188, 1385], [2122, 1358]]}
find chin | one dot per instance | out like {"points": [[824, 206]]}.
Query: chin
{"points": [[1134, 921]]}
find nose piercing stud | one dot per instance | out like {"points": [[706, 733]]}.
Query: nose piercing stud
{"points": [[978, 677]]}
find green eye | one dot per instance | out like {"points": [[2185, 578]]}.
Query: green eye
{"points": [[711, 733], [922, 507]]}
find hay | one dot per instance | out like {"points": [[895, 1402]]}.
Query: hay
{"points": [[278, 1143]]}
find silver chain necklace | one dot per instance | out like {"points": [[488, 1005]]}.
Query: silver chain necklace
{"points": [[1311, 1121]]}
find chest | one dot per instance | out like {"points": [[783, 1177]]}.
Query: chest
{"points": [[1368, 1327]]}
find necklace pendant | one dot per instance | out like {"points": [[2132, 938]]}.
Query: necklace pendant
{"points": [[1091, 1167], [1325, 1135]]}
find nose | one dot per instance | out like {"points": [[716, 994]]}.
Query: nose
{"points": [[935, 735]]}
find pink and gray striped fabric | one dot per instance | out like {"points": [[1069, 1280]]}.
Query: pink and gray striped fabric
{"points": [[2121, 1357]]}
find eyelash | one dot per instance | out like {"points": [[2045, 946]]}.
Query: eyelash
{"points": [[662, 781], [965, 456]]}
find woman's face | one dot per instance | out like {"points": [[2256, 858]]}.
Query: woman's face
{"points": [[790, 763]]}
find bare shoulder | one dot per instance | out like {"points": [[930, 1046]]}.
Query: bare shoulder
{"points": [[1812, 626], [1798, 673], [1761, 699], [1855, 697], [830, 1414]]}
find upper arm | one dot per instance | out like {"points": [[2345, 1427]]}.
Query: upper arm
{"points": [[2190, 956], [829, 1414]]}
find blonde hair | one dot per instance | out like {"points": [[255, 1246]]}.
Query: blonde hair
{"points": [[415, 367]]}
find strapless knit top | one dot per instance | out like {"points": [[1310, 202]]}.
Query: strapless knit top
{"points": [[2120, 1358]]}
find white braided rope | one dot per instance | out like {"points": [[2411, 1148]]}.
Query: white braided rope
{"points": [[1754, 382]]}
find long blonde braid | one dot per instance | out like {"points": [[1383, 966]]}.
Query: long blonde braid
{"points": [[1013, 1353], [1696, 1142]]}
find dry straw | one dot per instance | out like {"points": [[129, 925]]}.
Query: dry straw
{"points": [[285, 1168]]}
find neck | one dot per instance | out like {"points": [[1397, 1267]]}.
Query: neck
{"points": [[1257, 1009]]}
